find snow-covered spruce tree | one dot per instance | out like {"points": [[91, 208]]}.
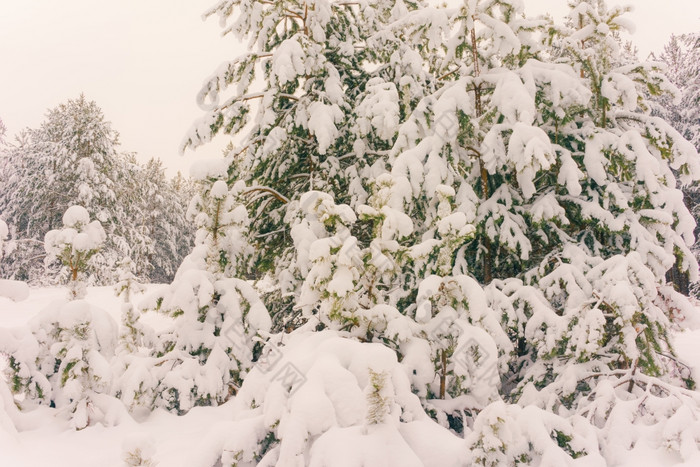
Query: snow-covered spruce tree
{"points": [[4, 232], [628, 213], [342, 272], [25, 259], [174, 238], [322, 90], [511, 240], [564, 176], [600, 307], [449, 171], [217, 318], [131, 335], [66, 362], [357, 258]]}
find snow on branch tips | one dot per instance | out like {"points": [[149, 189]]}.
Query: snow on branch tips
{"points": [[74, 245]]}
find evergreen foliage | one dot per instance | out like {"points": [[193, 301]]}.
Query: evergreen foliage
{"points": [[442, 238], [74, 246], [682, 57], [499, 208], [217, 318]]}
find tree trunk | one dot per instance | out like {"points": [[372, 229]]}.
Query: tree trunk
{"points": [[443, 373]]}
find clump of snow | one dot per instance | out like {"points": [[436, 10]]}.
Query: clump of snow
{"points": [[322, 122], [288, 61], [379, 111], [79, 233], [204, 168], [507, 434], [76, 216], [14, 290]]}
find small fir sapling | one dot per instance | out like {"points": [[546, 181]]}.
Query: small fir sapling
{"points": [[133, 367], [132, 332], [74, 245], [138, 450], [75, 339], [76, 342], [218, 319]]}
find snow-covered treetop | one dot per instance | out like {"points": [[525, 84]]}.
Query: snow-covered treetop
{"points": [[75, 216], [74, 245], [78, 233]]}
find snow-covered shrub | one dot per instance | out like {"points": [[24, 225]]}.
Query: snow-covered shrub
{"points": [[203, 357], [647, 410], [74, 245], [217, 319], [132, 333], [138, 450], [21, 349], [76, 343], [322, 397], [507, 434]]}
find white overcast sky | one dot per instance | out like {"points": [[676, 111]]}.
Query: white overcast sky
{"points": [[143, 61]]}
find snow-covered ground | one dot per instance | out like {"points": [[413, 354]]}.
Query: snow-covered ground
{"points": [[45, 439]]}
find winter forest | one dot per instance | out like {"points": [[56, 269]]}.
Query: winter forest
{"points": [[440, 235]]}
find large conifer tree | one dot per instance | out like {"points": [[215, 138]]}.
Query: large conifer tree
{"points": [[498, 208]]}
